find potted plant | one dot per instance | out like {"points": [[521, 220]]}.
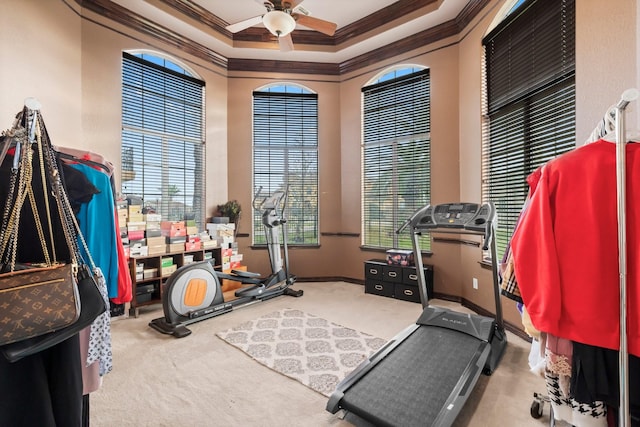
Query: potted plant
{"points": [[231, 210]]}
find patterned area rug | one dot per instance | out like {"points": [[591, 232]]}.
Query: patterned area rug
{"points": [[309, 349]]}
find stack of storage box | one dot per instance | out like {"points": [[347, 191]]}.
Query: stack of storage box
{"points": [[135, 231], [123, 218], [155, 241], [175, 234], [167, 266], [223, 232]]}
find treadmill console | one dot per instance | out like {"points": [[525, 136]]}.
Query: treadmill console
{"points": [[466, 216]]}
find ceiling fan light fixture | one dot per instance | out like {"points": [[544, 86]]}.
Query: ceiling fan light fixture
{"points": [[279, 23]]}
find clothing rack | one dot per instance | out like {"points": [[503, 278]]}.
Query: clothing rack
{"points": [[628, 96]]}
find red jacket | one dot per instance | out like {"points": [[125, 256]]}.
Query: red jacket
{"points": [[566, 248]]}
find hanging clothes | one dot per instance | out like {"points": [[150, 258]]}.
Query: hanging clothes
{"points": [[98, 227], [44, 389], [565, 251]]}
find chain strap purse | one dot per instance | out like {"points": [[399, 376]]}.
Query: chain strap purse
{"points": [[42, 304]]}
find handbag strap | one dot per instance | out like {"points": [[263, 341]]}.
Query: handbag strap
{"points": [[33, 137], [21, 191], [71, 228]]}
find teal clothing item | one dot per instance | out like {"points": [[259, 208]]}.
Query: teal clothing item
{"points": [[97, 222]]}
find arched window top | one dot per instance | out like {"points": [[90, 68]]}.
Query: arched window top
{"points": [[507, 9], [165, 61], [284, 88], [394, 73]]}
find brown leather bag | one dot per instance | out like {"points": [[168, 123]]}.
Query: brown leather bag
{"points": [[37, 301]]}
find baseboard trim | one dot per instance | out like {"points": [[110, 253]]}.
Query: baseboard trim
{"points": [[514, 329]]}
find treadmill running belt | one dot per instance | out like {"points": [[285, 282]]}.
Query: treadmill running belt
{"points": [[411, 385]]}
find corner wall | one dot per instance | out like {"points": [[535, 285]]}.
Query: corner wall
{"points": [[41, 58]]}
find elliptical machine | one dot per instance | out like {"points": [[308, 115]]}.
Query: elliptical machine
{"points": [[273, 217], [193, 292]]}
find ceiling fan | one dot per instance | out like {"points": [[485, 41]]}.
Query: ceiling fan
{"points": [[281, 19]]}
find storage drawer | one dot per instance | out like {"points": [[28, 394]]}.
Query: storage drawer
{"points": [[145, 289], [392, 273], [373, 269], [410, 277], [378, 287], [406, 292]]}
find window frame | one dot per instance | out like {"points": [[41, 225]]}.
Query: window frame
{"points": [[294, 139], [163, 110], [386, 103], [533, 87]]}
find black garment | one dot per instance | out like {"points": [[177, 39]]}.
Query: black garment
{"points": [[43, 390], [79, 189], [595, 378]]}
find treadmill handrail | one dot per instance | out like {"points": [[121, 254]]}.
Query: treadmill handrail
{"points": [[482, 221]]}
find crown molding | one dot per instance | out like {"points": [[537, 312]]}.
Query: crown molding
{"points": [[360, 28]]}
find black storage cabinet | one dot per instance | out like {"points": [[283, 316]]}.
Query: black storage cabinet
{"points": [[395, 281]]}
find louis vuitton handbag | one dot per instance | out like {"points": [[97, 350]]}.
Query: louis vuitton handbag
{"points": [[41, 303]]}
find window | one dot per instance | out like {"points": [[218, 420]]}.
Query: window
{"points": [[396, 156], [163, 137], [285, 157], [530, 109]]}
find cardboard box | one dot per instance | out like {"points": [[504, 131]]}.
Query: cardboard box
{"points": [[209, 244], [192, 230], [134, 209], [171, 224], [400, 257], [137, 242], [192, 246], [135, 235], [175, 239], [150, 273], [136, 226], [174, 232], [153, 232], [175, 247], [138, 251], [152, 217], [157, 249], [136, 217], [156, 241], [167, 271]]}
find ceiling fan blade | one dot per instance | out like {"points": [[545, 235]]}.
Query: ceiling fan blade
{"points": [[325, 27], [239, 26], [285, 43]]}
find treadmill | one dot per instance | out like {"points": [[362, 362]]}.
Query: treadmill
{"points": [[424, 375]]}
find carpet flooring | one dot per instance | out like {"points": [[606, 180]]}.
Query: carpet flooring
{"points": [[159, 380]]}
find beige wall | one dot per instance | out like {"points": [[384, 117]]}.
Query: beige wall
{"points": [[606, 60], [41, 58], [72, 66]]}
